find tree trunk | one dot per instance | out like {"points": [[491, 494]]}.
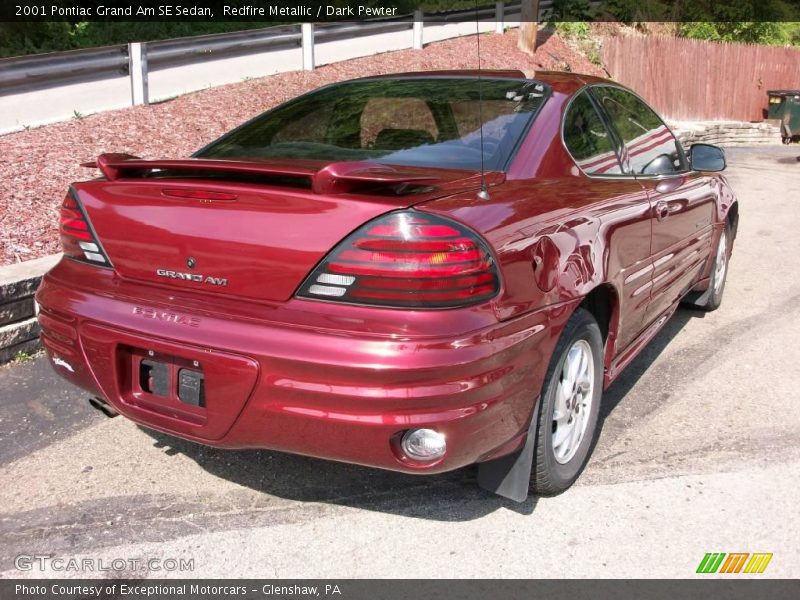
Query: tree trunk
{"points": [[528, 26]]}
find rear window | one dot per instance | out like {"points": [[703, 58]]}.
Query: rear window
{"points": [[419, 122]]}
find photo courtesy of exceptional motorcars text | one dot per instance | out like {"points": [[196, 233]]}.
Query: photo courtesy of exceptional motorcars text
{"points": [[370, 299]]}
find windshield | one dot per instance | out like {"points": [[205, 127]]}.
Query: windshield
{"points": [[432, 122]]}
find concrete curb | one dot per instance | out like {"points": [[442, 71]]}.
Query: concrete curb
{"points": [[19, 331]]}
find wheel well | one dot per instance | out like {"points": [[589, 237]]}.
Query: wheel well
{"points": [[601, 303]]}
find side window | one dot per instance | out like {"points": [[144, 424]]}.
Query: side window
{"points": [[587, 139], [651, 147]]}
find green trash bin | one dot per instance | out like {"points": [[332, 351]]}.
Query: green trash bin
{"points": [[784, 105]]}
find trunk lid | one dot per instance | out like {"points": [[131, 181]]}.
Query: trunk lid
{"points": [[248, 229]]}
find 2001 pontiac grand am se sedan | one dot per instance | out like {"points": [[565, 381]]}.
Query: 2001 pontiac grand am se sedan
{"points": [[415, 272]]}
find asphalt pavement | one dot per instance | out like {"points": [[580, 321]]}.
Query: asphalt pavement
{"points": [[699, 452]]}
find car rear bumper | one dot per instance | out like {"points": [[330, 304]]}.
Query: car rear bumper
{"points": [[345, 392]]}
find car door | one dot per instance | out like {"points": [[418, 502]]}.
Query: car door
{"points": [[621, 204], [681, 201]]}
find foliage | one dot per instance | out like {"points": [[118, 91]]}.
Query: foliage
{"points": [[18, 38], [793, 30], [768, 33], [571, 29], [442, 5], [580, 33], [721, 11], [29, 38], [748, 21], [22, 356], [569, 10], [721, 20], [633, 11]]}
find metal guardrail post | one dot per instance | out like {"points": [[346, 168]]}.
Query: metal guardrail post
{"points": [[499, 17], [418, 25], [307, 31], [137, 66]]}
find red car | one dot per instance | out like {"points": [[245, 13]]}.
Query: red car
{"points": [[415, 272]]}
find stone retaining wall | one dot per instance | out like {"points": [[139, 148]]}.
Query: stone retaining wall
{"points": [[19, 331], [727, 133]]}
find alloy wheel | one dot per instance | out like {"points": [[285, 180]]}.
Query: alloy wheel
{"points": [[721, 263], [573, 402]]}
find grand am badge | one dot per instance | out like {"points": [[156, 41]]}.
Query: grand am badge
{"points": [[195, 277]]}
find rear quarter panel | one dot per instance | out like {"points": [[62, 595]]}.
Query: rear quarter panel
{"points": [[586, 231]]}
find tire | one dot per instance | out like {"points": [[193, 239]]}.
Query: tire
{"points": [[711, 299], [559, 460]]}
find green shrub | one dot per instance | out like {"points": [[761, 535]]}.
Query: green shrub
{"points": [[631, 11], [31, 38], [767, 33], [572, 29]]}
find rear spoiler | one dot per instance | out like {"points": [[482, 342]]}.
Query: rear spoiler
{"points": [[334, 178]]}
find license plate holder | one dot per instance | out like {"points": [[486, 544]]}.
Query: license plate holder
{"points": [[191, 387], [172, 380], [154, 377]]}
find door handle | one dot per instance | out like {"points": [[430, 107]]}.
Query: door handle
{"points": [[665, 208]]}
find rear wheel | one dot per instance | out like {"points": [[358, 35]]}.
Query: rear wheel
{"points": [[569, 407]]}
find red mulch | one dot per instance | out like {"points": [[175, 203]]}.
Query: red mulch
{"points": [[36, 166]]}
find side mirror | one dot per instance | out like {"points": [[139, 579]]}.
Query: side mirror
{"points": [[705, 157]]}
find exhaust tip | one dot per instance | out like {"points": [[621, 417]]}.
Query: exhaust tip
{"points": [[103, 406]]}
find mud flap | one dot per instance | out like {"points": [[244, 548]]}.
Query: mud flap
{"points": [[697, 299], [510, 476], [702, 300]]}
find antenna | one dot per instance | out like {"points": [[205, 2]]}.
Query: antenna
{"points": [[483, 194]]}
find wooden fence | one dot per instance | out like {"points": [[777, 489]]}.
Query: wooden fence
{"points": [[699, 80]]}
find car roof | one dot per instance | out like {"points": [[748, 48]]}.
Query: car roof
{"points": [[561, 81]]}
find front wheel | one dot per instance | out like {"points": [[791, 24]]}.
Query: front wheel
{"points": [[569, 407], [711, 299]]}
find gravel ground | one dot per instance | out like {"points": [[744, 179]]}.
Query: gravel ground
{"points": [[36, 166]]}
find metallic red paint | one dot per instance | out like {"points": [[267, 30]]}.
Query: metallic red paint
{"points": [[344, 381], [334, 381]]}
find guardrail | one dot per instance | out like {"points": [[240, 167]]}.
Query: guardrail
{"points": [[62, 68], [59, 68], [167, 52]]}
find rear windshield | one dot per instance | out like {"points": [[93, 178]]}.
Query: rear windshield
{"points": [[419, 122]]}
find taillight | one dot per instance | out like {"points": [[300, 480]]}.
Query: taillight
{"points": [[77, 239], [407, 259]]}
